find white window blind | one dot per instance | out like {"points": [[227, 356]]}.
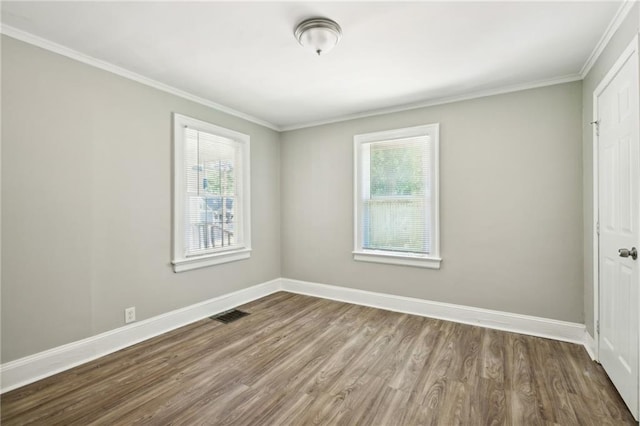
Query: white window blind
{"points": [[396, 205], [396, 196], [211, 194]]}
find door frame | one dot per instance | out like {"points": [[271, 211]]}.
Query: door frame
{"points": [[631, 51]]}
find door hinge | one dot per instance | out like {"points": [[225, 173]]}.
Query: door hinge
{"points": [[597, 123], [598, 227], [598, 326]]}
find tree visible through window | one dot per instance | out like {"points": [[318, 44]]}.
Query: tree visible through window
{"points": [[396, 169]]}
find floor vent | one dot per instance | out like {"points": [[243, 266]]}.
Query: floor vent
{"points": [[229, 316]]}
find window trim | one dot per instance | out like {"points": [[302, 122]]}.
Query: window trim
{"points": [[180, 261], [431, 260]]}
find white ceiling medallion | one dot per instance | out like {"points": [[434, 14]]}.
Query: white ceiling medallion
{"points": [[319, 34]]}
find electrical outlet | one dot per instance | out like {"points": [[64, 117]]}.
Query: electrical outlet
{"points": [[130, 315]]}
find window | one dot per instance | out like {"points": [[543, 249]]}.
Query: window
{"points": [[211, 195], [396, 197]]}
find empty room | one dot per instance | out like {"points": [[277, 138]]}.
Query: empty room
{"points": [[336, 213]]}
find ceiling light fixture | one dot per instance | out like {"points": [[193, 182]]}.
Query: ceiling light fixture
{"points": [[319, 34]]}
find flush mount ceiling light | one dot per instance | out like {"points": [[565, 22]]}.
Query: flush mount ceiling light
{"points": [[319, 34]]}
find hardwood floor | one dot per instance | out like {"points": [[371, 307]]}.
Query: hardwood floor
{"points": [[301, 360]]}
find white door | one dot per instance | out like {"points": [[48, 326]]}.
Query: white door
{"points": [[619, 201]]}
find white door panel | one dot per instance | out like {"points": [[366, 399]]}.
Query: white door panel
{"points": [[619, 200]]}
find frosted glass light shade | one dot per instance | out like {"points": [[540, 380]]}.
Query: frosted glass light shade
{"points": [[318, 34]]}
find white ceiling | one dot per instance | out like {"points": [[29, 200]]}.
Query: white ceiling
{"points": [[392, 55]]}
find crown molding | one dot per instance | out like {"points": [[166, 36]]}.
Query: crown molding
{"points": [[615, 23], [122, 72], [613, 26], [439, 101]]}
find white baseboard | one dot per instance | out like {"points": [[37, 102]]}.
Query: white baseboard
{"points": [[524, 324], [590, 345], [29, 369]]}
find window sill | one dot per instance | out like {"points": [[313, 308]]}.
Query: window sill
{"points": [[181, 265], [395, 258]]}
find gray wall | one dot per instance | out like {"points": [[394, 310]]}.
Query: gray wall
{"points": [[511, 204], [86, 212], [610, 54]]}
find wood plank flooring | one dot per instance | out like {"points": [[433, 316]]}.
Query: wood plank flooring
{"points": [[298, 360]]}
